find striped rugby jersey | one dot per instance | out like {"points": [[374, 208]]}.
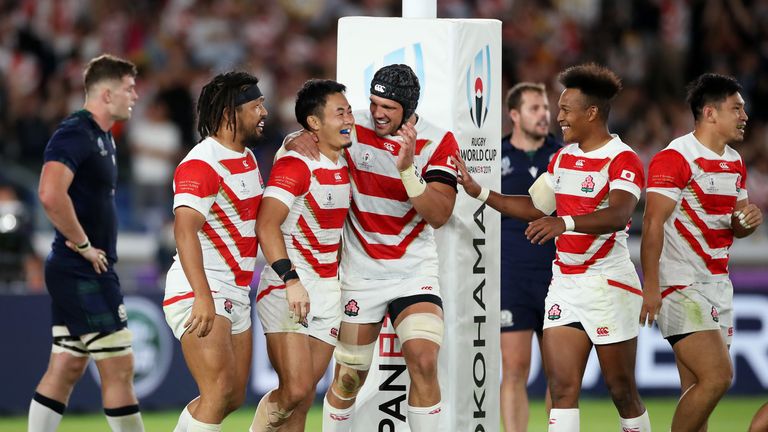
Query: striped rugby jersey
{"points": [[226, 187], [706, 187], [385, 238], [582, 182], [318, 194]]}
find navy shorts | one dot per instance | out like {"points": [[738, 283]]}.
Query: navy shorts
{"points": [[522, 300], [83, 301]]}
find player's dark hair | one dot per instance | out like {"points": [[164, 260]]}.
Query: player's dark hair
{"points": [[311, 99], [598, 83], [107, 67], [710, 88], [515, 94], [221, 95]]}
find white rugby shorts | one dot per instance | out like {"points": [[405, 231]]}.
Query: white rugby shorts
{"points": [[607, 307], [697, 307], [365, 301]]}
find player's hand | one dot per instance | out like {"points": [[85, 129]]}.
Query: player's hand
{"points": [[303, 142], [747, 217], [649, 313], [202, 316], [95, 256], [298, 300], [407, 135], [544, 229], [464, 178]]}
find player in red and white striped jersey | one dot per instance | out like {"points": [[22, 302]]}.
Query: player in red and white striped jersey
{"points": [[594, 184], [697, 203], [403, 187], [217, 190], [299, 228]]}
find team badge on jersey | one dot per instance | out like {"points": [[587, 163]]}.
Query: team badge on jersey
{"points": [[228, 306], [715, 315], [588, 185], [351, 308], [554, 312]]}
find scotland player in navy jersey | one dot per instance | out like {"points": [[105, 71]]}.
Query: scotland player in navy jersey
{"points": [[526, 269], [77, 191]]}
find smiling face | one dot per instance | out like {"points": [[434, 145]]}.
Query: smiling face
{"points": [[730, 118], [387, 115], [121, 96], [250, 120], [574, 115], [334, 126]]}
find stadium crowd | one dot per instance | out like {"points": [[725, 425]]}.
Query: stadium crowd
{"points": [[655, 46]]}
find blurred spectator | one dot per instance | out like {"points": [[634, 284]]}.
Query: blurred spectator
{"points": [[21, 270]]}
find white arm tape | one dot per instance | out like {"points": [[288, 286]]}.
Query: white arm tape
{"points": [[413, 182], [570, 224], [542, 195], [483, 195]]}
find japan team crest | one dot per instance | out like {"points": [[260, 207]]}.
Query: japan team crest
{"points": [[228, 306], [351, 308], [588, 185], [554, 312], [715, 315]]}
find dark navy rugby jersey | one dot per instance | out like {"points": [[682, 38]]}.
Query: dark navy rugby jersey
{"points": [[518, 172], [80, 144]]}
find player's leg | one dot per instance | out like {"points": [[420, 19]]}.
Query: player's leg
{"points": [[353, 355], [515, 367], [760, 420], [617, 363], [211, 361], [705, 355], [565, 350], [52, 393], [321, 356]]}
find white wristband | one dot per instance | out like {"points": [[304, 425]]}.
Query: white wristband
{"points": [[570, 225], [413, 182], [483, 195]]}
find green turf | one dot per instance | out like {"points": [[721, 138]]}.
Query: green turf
{"points": [[597, 415]]}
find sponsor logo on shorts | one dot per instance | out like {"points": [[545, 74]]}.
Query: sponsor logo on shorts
{"points": [[588, 185], [506, 319], [338, 417], [715, 315], [228, 306], [630, 429], [427, 288], [730, 331], [602, 331], [122, 313], [436, 411], [554, 312], [351, 308], [334, 332]]}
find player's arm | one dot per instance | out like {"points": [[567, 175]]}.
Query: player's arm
{"points": [[658, 208], [516, 206], [187, 223], [272, 214], [55, 180], [302, 142]]}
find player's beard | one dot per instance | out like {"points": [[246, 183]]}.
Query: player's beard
{"points": [[250, 136]]}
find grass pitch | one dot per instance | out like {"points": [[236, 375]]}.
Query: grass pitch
{"points": [[597, 415]]}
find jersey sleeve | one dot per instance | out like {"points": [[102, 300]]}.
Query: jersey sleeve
{"points": [[195, 185], [626, 173], [70, 146], [440, 168], [668, 174], [742, 183], [290, 178]]}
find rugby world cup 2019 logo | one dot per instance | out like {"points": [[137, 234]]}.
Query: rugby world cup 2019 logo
{"points": [[478, 85], [411, 55]]}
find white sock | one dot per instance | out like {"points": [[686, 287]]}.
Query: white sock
{"points": [[183, 423], [336, 419], [637, 424], [424, 419], [44, 414], [198, 426], [124, 419], [564, 420]]}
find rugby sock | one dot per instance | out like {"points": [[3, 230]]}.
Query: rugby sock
{"points": [[198, 426], [564, 420], [124, 419], [424, 419], [181, 425], [44, 414], [336, 419], [637, 424]]}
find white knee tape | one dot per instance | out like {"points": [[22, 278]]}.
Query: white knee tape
{"points": [[421, 326], [358, 357], [102, 346], [63, 342]]}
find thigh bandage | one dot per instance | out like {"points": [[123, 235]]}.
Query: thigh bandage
{"points": [[420, 326], [107, 345], [63, 342]]}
